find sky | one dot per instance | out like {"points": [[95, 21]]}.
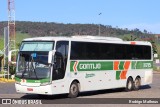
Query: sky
{"points": [[131, 14]]}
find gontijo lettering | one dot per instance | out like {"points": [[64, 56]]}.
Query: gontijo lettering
{"points": [[90, 66]]}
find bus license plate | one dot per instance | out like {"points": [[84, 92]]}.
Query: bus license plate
{"points": [[29, 89]]}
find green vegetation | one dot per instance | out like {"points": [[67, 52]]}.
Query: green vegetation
{"points": [[129, 37], [1, 43], [155, 68], [19, 38], [60, 29], [158, 48]]}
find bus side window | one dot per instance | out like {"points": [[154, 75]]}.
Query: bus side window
{"points": [[61, 57]]}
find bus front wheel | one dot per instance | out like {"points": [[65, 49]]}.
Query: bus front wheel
{"points": [[74, 90], [130, 84]]}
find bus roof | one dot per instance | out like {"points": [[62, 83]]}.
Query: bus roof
{"points": [[74, 37], [87, 38]]}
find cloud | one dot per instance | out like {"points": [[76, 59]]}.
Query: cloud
{"points": [[154, 28]]}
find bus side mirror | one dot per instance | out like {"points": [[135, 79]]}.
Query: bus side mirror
{"points": [[10, 56], [50, 56]]}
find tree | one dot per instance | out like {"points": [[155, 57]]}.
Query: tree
{"points": [[145, 31], [131, 38]]}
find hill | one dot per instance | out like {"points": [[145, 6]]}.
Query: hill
{"points": [[60, 29], [25, 29]]}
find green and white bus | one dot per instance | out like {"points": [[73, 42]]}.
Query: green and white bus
{"points": [[57, 65]]}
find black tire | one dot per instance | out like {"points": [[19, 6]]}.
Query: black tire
{"points": [[137, 83], [74, 90], [129, 84]]}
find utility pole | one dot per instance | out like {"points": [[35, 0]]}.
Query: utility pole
{"points": [[11, 28], [99, 26], [11, 23]]}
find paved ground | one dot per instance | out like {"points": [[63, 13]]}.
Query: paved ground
{"points": [[7, 90]]}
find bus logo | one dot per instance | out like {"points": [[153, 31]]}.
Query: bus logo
{"points": [[75, 66], [81, 66]]}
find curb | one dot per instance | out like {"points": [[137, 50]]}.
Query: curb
{"points": [[3, 80]]}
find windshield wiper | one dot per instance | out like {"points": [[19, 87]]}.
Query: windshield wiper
{"points": [[34, 68], [24, 71]]}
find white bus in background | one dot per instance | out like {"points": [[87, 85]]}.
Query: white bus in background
{"points": [[57, 65]]}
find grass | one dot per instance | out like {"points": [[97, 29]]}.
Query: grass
{"points": [[1, 43], [21, 36], [158, 48], [155, 68]]}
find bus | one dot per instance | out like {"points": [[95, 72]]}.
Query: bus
{"points": [[60, 65]]}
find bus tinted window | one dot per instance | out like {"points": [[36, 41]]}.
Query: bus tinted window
{"points": [[147, 52], [130, 51], [120, 52], [91, 51], [108, 51], [77, 50], [139, 52]]}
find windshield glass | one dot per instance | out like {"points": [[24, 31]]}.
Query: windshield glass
{"points": [[32, 62], [36, 46], [32, 65]]}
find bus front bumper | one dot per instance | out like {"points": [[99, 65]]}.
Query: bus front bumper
{"points": [[47, 89]]}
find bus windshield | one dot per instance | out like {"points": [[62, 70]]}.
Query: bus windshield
{"points": [[32, 62], [36, 46]]}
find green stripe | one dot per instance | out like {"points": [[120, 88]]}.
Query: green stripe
{"points": [[118, 75], [121, 65], [17, 79], [71, 65], [92, 66], [133, 64], [108, 65], [142, 65], [38, 81], [33, 81]]}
